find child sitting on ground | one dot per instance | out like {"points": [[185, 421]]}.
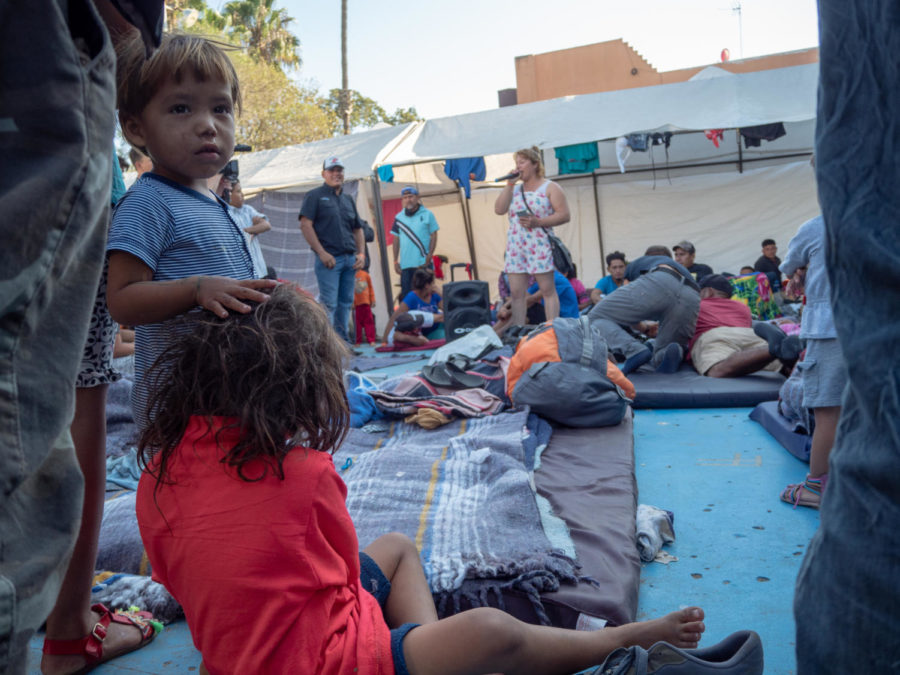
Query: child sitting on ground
{"points": [[426, 308], [243, 518], [173, 244]]}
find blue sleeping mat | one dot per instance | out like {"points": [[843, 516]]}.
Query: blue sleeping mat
{"points": [[777, 424], [688, 389]]}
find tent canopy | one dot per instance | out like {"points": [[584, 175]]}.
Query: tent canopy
{"points": [[301, 165], [742, 100]]}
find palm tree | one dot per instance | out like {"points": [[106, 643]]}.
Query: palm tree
{"points": [[264, 31]]}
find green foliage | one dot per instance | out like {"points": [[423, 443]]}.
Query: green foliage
{"points": [[264, 31], [365, 113], [277, 112]]}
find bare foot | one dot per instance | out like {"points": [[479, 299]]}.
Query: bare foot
{"points": [[682, 629], [120, 639]]}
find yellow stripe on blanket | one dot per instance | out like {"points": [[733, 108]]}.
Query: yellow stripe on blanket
{"points": [[429, 495]]}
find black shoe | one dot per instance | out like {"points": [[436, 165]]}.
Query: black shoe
{"points": [[673, 354], [773, 335], [740, 653]]}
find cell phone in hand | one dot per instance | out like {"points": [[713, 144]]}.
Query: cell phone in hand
{"points": [[521, 214]]}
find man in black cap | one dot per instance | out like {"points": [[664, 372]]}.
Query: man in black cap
{"points": [[724, 342], [334, 231], [684, 254]]}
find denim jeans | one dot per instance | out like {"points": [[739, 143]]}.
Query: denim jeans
{"points": [[655, 296], [336, 290], [847, 604], [56, 127]]}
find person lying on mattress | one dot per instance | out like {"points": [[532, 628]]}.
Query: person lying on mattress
{"points": [[418, 314], [725, 343], [243, 517]]}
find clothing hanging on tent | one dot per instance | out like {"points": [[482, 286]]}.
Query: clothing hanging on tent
{"points": [[638, 142], [389, 210], [464, 170], [715, 135], [753, 136], [577, 158], [386, 173]]}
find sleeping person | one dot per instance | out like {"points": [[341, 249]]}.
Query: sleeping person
{"points": [[417, 315]]}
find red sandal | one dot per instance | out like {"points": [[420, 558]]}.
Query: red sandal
{"points": [[91, 646]]}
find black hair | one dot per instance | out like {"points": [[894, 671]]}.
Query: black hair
{"points": [[656, 249], [421, 278], [768, 242], [615, 255]]}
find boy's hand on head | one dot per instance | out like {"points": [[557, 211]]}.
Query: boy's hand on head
{"points": [[220, 294]]}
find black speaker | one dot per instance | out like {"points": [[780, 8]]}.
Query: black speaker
{"points": [[467, 306]]}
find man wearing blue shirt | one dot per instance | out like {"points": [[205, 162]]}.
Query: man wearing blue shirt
{"points": [[568, 301], [415, 236], [615, 265], [333, 230]]}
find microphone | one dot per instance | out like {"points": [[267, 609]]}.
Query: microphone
{"points": [[512, 174]]}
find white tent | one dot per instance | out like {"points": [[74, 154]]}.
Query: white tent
{"points": [[724, 198]]}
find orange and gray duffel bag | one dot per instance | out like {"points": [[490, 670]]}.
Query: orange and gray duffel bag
{"points": [[562, 372]]}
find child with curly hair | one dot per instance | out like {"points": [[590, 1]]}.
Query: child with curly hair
{"points": [[243, 518]]}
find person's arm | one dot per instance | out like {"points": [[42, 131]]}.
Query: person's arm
{"points": [[439, 315], [401, 308], [309, 233], [432, 243], [360, 238], [396, 247], [799, 251], [134, 298], [501, 206], [260, 224], [560, 206], [371, 292], [596, 295]]}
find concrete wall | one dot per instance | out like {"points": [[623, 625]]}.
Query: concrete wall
{"points": [[615, 65]]}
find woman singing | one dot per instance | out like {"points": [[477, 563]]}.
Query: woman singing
{"points": [[536, 204]]}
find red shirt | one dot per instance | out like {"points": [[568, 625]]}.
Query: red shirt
{"points": [[718, 312], [267, 572]]}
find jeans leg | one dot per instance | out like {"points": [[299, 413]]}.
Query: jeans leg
{"points": [[327, 279], [57, 117], [406, 276], [849, 574], [346, 284], [619, 341]]}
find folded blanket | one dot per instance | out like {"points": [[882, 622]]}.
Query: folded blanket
{"points": [[475, 516], [125, 590]]}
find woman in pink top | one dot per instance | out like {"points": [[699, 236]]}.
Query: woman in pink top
{"points": [[243, 518], [536, 204]]}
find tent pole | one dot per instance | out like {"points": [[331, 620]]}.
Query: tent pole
{"points": [[740, 151], [467, 223], [597, 214], [382, 244]]}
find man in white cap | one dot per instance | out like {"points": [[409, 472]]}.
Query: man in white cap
{"points": [[334, 231], [415, 236]]}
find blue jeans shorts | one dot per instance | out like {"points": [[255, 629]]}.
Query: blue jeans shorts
{"points": [[374, 581]]}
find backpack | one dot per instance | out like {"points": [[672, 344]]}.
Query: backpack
{"points": [[562, 371]]}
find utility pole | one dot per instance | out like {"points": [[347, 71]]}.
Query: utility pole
{"points": [[345, 88]]}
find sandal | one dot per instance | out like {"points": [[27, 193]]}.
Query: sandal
{"points": [[808, 493], [91, 646]]}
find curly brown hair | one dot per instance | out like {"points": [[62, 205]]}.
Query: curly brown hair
{"points": [[275, 372]]}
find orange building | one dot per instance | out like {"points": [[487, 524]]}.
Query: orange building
{"points": [[614, 65]]}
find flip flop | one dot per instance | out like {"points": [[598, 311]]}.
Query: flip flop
{"points": [[463, 379], [437, 375]]}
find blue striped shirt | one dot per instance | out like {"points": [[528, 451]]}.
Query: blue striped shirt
{"points": [[177, 232]]}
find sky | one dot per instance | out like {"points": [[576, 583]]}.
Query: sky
{"points": [[449, 58]]}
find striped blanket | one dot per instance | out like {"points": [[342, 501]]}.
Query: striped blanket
{"points": [[464, 493]]}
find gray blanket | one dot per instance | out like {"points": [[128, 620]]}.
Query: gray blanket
{"points": [[463, 493]]}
